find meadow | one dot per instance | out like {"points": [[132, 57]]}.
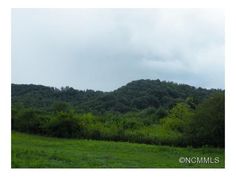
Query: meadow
{"points": [[32, 151]]}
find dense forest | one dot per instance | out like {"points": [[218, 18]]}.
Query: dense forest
{"points": [[143, 111]]}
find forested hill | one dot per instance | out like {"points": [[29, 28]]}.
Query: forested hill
{"points": [[134, 96]]}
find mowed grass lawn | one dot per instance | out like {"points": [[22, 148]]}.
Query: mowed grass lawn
{"points": [[30, 151]]}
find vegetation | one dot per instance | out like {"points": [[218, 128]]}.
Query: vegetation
{"points": [[30, 151], [207, 125], [144, 111], [135, 96]]}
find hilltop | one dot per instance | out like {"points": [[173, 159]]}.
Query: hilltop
{"points": [[136, 95]]}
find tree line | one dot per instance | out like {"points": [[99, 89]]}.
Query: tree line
{"points": [[144, 111]]}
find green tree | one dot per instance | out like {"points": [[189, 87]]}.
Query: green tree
{"points": [[28, 120], [207, 126], [178, 118], [61, 107], [64, 125]]}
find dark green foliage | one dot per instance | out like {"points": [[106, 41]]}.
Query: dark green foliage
{"points": [[161, 112], [144, 111], [29, 120], [61, 107], [151, 115], [190, 101], [136, 95], [207, 126], [64, 125]]}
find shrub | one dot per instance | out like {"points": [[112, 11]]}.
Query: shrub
{"points": [[29, 121], [65, 126]]}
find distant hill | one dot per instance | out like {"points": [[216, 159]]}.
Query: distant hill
{"points": [[134, 96]]}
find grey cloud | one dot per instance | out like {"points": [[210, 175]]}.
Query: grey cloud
{"points": [[103, 49]]}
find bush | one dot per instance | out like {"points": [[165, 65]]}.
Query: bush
{"points": [[29, 121], [64, 126]]}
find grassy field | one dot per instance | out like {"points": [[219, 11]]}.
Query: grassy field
{"points": [[30, 151]]}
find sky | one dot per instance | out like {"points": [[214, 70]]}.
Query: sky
{"points": [[104, 49]]}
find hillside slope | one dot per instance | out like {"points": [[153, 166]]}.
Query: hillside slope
{"points": [[136, 95]]}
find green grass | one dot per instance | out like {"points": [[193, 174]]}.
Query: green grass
{"points": [[30, 151]]}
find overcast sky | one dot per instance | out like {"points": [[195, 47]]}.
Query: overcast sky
{"points": [[103, 49]]}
